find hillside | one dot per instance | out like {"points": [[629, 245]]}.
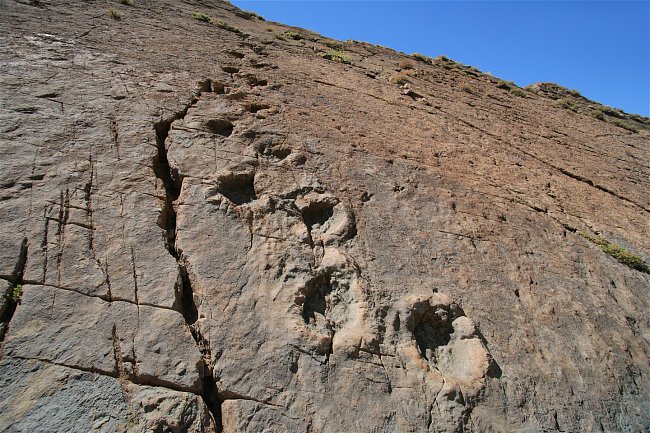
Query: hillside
{"points": [[216, 223]]}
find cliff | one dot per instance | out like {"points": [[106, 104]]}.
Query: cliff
{"points": [[215, 223]]}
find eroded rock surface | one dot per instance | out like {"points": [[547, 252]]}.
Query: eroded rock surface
{"points": [[220, 229]]}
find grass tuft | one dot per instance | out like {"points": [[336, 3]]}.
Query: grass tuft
{"points": [[466, 88], [338, 56], [253, 15], [224, 25], [568, 104], [612, 112], [406, 64], [597, 114], [624, 125], [505, 85], [334, 45], [421, 57], [115, 14], [399, 78], [294, 35], [618, 252], [518, 92], [201, 17]]}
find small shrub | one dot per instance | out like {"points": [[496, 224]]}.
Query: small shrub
{"points": [[201, 17], [127, 2], [466, 88], [420, 57], [115, 14], [399, 78], [338, 56], [568, 104], [406, 64], [624, 125], [279, 37], [224, 25], [574, 93], [443, 58], [612, 112], [334, 45], [597, 114], [294, 35], [640, 119], [253, 15], [504, 85], [618, 252], [518, 92]]}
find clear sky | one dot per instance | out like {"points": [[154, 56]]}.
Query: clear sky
{"points": [[600, 48]]}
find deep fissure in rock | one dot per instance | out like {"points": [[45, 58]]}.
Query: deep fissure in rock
{"points": [[212, 401], [12, 296], [172, 183], [185, 296]]}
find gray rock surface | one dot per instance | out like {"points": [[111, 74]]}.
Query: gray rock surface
{"points": [[226, 231]]}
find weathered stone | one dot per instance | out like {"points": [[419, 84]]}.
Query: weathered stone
{"points": [[223, 231], [48, 397]]}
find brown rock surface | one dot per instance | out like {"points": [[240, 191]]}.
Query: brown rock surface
{"points": [[217, 228]]}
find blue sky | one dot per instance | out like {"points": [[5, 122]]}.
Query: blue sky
{"points": [[600, 48]]}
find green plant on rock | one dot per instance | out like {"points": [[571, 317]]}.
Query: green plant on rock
{"points": [[504, 85], [115, 14], [597, 114], [201, 17], [466, 88], [406, 64], [420, 57], [15, 293], [568, 104], [253, 15], [338, 56], [224, 25], [334, 45], [399, 78], [294, 35], [624, 125], [518, 92], [618, 252], [612, 112]]}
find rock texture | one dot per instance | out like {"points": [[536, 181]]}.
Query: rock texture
{"points": [[214, 223]]}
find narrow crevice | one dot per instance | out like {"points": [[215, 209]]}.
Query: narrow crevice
{"points": [[212, 401], [172, 182], [584, 180], [185, 296], [14, 292]]}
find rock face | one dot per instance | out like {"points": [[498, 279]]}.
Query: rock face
{"points": [[213, 223]]}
